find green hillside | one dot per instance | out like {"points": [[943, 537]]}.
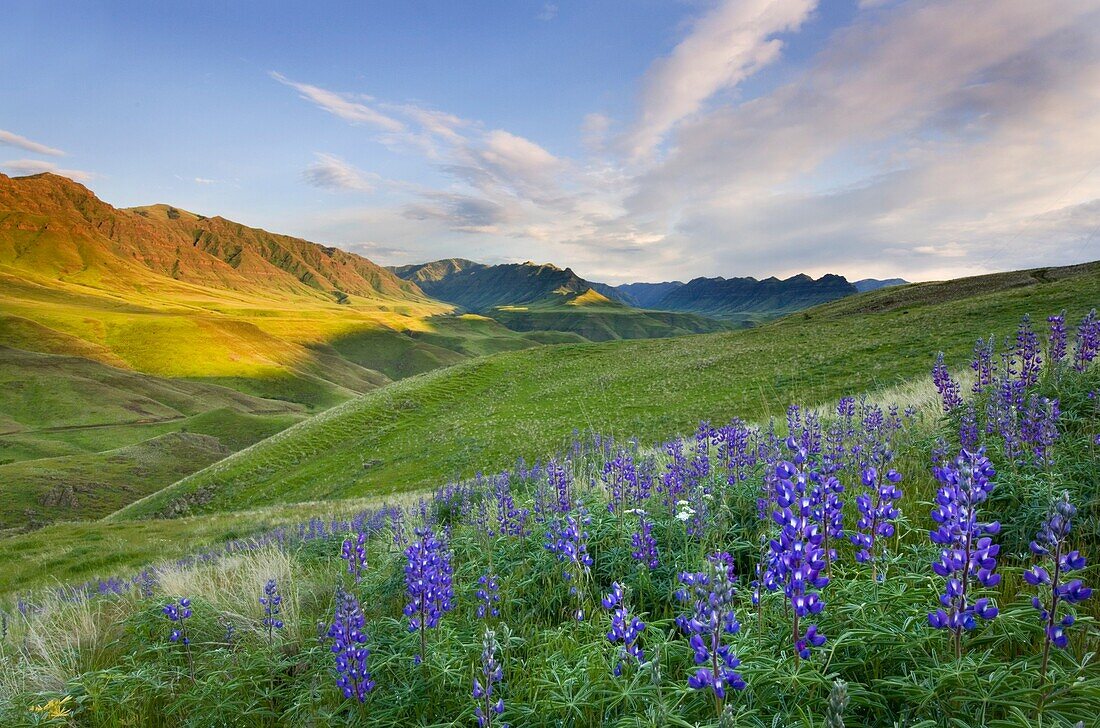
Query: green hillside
{"points": [[485, 413]]}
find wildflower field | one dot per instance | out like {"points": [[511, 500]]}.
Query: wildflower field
{"points": [[861, 564]]}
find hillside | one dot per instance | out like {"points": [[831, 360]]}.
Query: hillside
{"points": [[529, 298], [126, 323], [485, 413], [873, 284], [171, 293]]}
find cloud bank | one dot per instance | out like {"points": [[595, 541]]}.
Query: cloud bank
{"points": [[926, 139]]}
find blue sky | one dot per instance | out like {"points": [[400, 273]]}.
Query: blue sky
{"points": [[633, 140]]}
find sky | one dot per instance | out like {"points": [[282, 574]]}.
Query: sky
{"points": [[632, 140]]}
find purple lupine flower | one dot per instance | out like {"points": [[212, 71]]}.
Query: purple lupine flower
{"points": [[1038, 428], [797, 556], [492, 673], [828, 512], [1028, 351], [945, 385], [1052, 544], [968, 428], [675, 475], [983, 363], [877, 514], [643, 541], [355, 553], [711, 597], [625, 629], [511, 521], [349, 647], [428, 582], [272, 602], [969, 554], [621, 481], [561, 485], [568, 539], [178, 613], [488, 596], [1087, 343], [1056, 341]]}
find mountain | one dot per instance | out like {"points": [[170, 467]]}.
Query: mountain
{"points": [[55, 231], [646, 295], [873, 284], [530, 297], [479, 287], [748, 300]]}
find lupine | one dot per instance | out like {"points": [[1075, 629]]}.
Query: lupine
{"points": [[1087, 343], [1038, 428], [945, 385], [349, 647], [829, 513], [178, 612], [643, 542], [488, 596], [797, 554], [428, 582], [983, 363], [877, 513], [492, 673], [673, 480], [1028, 350], [272, 602], [838, 702], [568, 539], [1052, 543], [625, 629], [355, 553], [1056, 341], [968, 554], [711, 597]]}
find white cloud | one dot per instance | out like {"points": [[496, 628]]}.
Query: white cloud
{"points": [[37, 166], [331, 172], [924, 139], [14, 140], [350, 108], [549, 12], [724, 47]]}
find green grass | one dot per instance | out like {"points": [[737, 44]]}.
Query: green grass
{"points": [[111, 656], [90, 485], [68, 553], [484, 413]]}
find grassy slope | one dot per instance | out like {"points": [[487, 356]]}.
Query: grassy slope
{"points": [[596, 318], [93, 484], [484, 413]]}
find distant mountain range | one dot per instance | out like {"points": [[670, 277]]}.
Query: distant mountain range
{"points": [[532, 297], [485, 288]]}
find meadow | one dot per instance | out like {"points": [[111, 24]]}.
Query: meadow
{"points": [[850, 563]]}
